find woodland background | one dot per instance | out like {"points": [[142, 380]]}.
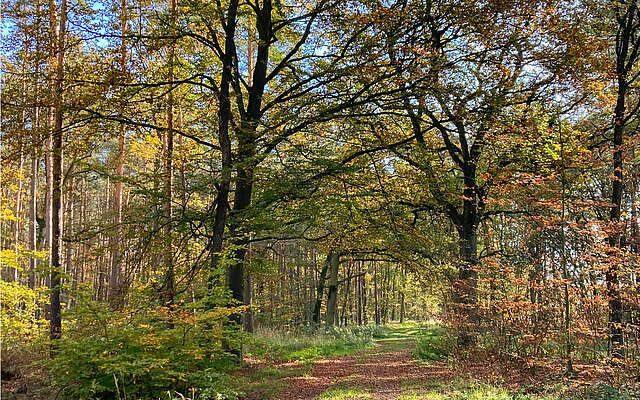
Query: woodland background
{"points": [[178, 174]]}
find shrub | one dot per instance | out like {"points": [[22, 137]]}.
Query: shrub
{"points": [[138, 354], [432, 345], [23, 326]]}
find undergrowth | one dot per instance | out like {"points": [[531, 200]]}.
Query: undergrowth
{"points": [[143, 353], [305, 346], [459, 389], [432, 344]]}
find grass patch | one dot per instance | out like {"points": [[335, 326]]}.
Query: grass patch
{"points": [[325, 350], [304, 347], [273, 373], [432, 344], [459, 389], [405, 330], [345, 392]]}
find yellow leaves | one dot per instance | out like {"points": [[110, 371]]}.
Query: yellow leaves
{"points": [[9, 259], [150, 340], [220, 313], [146, 149], [20, 305], [603, 93], [7, 214], [15, 258]]}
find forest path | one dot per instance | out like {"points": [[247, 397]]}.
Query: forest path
{"points": [[380, 373]]}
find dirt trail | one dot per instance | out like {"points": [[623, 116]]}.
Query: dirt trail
{"points": [[379, 371]]}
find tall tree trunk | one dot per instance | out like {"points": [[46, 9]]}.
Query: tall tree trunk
{"points": [[18, 211], [68, 228], [393, 295], [242, 200], [33, 185], [627, 49], [332, 292], [615, 302], [402, 307], [563, 264], [248, 301], [33, 217], [376, 295], [168, 291], [56, 156], [222, 198], [317, 306], [224, 118], [247, 162], [402, 301], [365, 317], [465, 288], [347, 301], [116, 286], [359, 294]]}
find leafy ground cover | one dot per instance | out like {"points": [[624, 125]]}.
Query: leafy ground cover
{"points": [[418, 362]]}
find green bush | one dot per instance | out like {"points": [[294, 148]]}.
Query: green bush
{"points": [[432, 345], [147, 353]]}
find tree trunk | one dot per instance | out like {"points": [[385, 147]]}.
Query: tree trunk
{"points": [[363, 292], [612, 275], [465, 288], [347, 301], [116, 288], [402, 309], [246, 135], [224, 118], [168, 290], [18, 212], [627, 52], [376, 305], [56, 156], [359, 294], [332, 293], [222, 199], [68, 228], [320, 291], [248, 301], [33, 218]]}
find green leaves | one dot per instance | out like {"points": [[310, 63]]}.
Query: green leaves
{"points": [[132, 351]]}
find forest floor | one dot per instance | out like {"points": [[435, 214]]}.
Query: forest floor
{"points": [[389, 370]]}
